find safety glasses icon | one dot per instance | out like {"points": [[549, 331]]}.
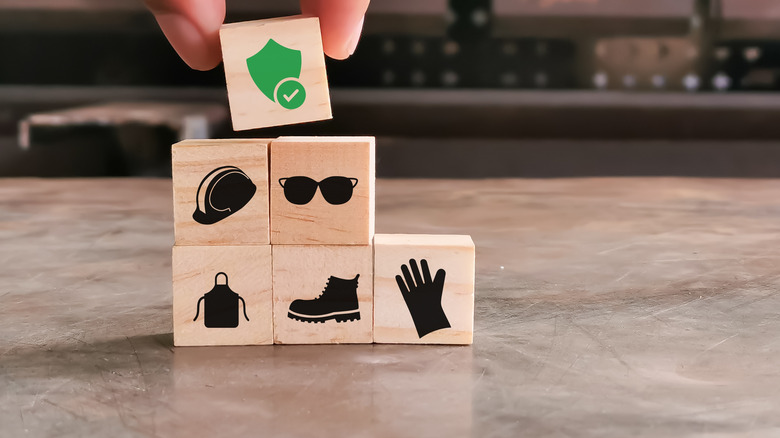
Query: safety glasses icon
{"points": [[300, 190]]}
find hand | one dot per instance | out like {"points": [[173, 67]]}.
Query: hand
{"points": [[423, 297], [192, 27]]}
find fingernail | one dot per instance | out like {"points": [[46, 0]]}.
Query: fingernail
{"points": [[355, 38]]}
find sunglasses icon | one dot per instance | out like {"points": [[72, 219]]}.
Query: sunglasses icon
{"points": [[300, 190]]}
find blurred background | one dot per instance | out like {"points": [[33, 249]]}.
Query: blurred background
{"points": [[451, 88]]}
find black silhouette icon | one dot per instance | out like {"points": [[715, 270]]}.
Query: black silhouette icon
{"points": [[224, 191], [423, 297], [338, 301], [220, 309], [336, 190]]}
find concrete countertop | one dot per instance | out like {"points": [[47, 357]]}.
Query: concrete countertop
{"points": [[605, 307]]}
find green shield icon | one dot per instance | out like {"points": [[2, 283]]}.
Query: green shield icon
{"points": [[275, 70]]}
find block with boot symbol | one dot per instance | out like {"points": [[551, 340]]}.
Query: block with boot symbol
{"points": [[275, 72], [220, 192], [323, 294], [423, 289], [222, 295], [322, 190]]}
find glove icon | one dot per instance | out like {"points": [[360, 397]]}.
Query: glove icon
{"points": [[275, 70], [423, 296]]}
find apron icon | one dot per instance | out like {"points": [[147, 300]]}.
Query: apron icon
{"points": [[221, 306], [275, 69]]}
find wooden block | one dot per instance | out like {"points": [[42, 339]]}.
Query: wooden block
{"points": [[322, 294], [275, 72], [423, 289], [322, 190], [220, 192], [206, 309]]}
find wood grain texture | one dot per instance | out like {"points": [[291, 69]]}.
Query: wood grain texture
{"points": [[455, 255], [249, 107], [302, 272], [192, 161], [248, 269], [319, 222]]}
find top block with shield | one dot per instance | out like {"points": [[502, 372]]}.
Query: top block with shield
{"points": [[275, 72]]}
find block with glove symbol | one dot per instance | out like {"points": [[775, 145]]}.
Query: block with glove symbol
{"points": [[423, 289]]}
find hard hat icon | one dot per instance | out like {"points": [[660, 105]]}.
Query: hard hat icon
{"points": [[275, 70], [222, 192]]}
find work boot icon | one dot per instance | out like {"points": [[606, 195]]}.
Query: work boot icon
{"points": [[275, 69], [338, 301]]}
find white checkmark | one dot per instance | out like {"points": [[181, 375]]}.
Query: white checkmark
{"points": [[289, 98]]}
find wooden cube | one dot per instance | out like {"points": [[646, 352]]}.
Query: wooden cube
{"points": [[322, 190], [275, 72], [222, 295], [220, 192], [423, 289], [323, 294]]}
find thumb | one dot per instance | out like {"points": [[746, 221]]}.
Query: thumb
{"points": [[341, 22], [192, 27]]}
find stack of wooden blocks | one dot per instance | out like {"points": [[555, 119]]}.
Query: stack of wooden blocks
{"points": [[274, 238]]}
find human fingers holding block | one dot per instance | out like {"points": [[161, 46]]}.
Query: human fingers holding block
{"points": [[274, 68], [192, 26]]}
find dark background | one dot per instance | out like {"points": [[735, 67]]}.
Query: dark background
{"points": [[451, 88]]}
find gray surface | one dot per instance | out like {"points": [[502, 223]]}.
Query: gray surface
{"points": [[605, 307]]}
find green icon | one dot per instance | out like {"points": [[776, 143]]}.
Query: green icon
{"points": [[290, 94], [275, 70]]}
